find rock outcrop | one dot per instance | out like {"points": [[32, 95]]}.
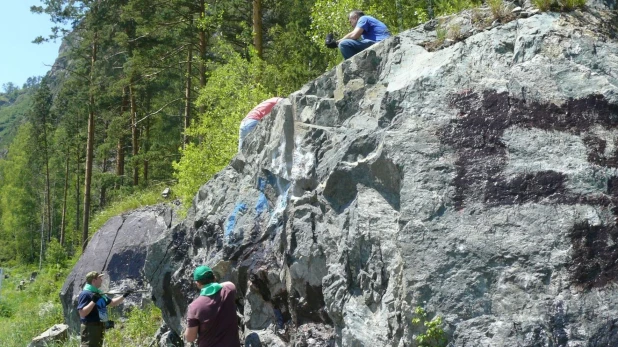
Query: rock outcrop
{"points": [[478, 181], [126, 249]]}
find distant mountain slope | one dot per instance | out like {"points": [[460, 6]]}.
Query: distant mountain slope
{"points": [[12, 114]]}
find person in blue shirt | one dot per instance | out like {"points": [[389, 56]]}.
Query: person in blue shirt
{"points": [[367, 31], [92, 308]]}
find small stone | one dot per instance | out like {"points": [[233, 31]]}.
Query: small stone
{"points": [[534, 11], [431, 25], [448, 42], [517, 9]]}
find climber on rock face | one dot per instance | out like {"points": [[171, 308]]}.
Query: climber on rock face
{"points": [[367, 31], [211, 318], [252, 119]]}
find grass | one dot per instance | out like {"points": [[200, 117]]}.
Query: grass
{"points": [[499, 9], [30, 311], [131, 201], [543, 5], [559, 5], [569, 5]]}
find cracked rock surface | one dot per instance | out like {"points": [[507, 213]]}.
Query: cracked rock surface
{"points": [[478, 181]]}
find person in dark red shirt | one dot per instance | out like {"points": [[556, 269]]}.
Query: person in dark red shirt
{"points": [[211, 318]]}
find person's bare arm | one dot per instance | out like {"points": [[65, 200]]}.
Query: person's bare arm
{"points": [[353, 35], [191, 334], [116, 301], [86, 309]]}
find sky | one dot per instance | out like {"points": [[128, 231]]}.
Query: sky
{"points": [[20, 58]]}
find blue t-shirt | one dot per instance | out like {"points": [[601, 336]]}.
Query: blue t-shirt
{"points": [[373, 29], [99, 312]]}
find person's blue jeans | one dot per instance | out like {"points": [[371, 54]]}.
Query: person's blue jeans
{"points": [[349, 47], [246, 125]]}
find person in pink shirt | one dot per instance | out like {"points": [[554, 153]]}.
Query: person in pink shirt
{"points": [[252, 118]]}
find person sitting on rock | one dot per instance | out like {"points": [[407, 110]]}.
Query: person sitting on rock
{"points": [[252, 118], [92, 308], [367, 31], [211, 318]]}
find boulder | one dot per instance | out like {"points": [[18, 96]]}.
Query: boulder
{"points": [[126, 251], [477, 181], [56, 334]]}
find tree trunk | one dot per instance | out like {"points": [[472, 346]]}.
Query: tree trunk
{"points": [[120, 144], [146, 141], [47, 187], [64, 199], [257, 27], [103, 186], [203, 44], [77, 195], [42, 238], [134, 133], [188, 98], [89, 148]]}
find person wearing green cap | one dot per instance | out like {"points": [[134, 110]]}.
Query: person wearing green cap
{"points": [[92, 308], [211, 318]]}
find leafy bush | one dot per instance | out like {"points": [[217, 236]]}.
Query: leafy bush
{"points": [[433, 335], [137, 330], [6, 310], [56, 255]]}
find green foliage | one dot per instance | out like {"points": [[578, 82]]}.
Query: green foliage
{"points": [[138, 329], [569, 5], [34, 309], [332, 16], [233, 89], [56, 255], [26, 313], [543, 5], [433, 334], [498, 9], [445, 7], [441, 33], [127, 202], [559, 5], [18, 201], [6, 310], [13, 109]]}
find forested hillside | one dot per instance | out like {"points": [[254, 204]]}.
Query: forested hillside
{"points": [[14, 103], [148, 94]]}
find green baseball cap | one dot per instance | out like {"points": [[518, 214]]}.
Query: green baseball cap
{"points": [[92, 275], [201, 272]]}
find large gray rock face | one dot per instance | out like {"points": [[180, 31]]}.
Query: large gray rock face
{"points": [[127, 250], [478, 181]]}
